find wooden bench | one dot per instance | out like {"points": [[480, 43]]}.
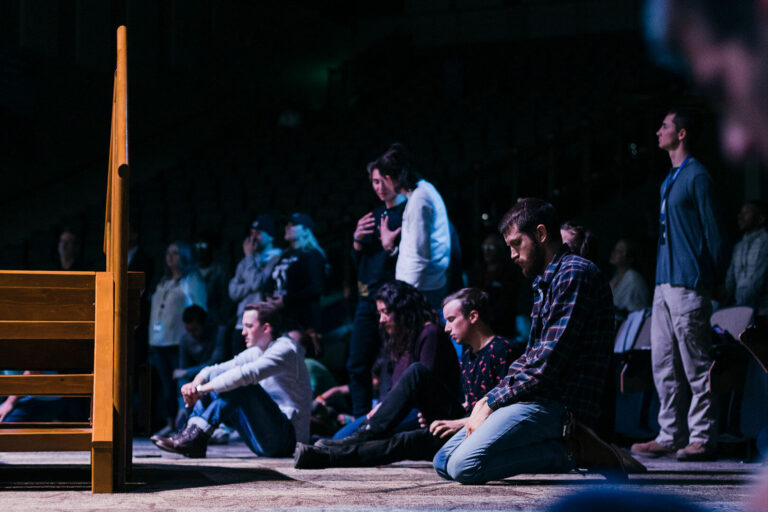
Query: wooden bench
{"points": [[78, 325], [63, 322]]}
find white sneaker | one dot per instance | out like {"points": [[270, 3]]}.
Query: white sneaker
{"points": [[220, 435]]}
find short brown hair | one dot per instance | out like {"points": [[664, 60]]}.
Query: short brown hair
{"points": [[471, 299], [528, 213], [268, 313]]}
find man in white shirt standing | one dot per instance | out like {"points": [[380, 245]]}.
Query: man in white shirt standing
{"points": [[264, 392], [424, 253]]}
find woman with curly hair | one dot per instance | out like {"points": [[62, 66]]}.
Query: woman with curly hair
{"points": [[412, 335]]}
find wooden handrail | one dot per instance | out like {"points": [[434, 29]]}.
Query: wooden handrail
{"points": [[116, 245]]}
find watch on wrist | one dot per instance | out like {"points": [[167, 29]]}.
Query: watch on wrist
{"points": [[198, 388]]}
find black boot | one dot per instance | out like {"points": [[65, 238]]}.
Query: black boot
{"points": [[307, 456], [190, 442], [366, 432]]}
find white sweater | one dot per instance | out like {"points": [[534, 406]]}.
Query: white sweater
{"points": [[281, 372], [425, 240]]}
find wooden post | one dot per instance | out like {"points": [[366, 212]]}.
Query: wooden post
{"points": [[119, 250], [103, 442]]}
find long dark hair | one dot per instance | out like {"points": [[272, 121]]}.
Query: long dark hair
{"points": [[410, 311]]}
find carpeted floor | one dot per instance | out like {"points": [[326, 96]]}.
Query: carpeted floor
{"points": [[232, 478]]}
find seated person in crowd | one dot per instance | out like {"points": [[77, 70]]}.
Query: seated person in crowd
{"points": [[536, 420], [581, 240], [215, 278], [747, 279], [69, 249], [263, 392], [17, 408], [501, 280], [630, 292], [411, 334], [484, 363], [253, 272], [203, 344]]}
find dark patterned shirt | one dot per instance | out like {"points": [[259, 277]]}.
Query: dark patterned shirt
{"points": [[569, 348], [481, 372]]}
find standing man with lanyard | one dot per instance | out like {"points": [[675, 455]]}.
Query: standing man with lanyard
{"points": [[691, 258]]}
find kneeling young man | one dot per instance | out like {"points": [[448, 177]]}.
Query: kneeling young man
{"points": [[264, 392], [556, 385], [484, 363]]}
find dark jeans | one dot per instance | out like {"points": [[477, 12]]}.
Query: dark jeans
{"points": [[411, 422], [165, 360], [418, 388], [411, 445], [253, 413], [34, 408], [363, 349]]}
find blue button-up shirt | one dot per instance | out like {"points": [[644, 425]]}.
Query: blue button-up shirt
{"points": [[694, 254]]}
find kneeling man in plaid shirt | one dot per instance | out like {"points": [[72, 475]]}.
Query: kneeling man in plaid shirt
{"points": [[539, 417]]}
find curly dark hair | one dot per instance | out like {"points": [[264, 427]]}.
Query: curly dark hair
{"points": [[410, 311]]}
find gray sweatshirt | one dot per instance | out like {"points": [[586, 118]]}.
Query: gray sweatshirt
{"points": [[281, 372]]}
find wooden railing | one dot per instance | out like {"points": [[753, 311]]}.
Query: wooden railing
{"points": [[76, 325], [116, 247]]}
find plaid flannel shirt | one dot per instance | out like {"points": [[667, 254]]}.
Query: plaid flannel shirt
{"points": [[570, 343]]}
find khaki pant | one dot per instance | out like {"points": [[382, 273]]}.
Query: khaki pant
{"points": [[680, 351]]}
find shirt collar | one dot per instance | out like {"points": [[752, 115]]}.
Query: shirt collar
{"points": [[543, 281]]}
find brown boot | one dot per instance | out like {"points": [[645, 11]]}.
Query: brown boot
{"points": [[190, 442], [591, 452]]}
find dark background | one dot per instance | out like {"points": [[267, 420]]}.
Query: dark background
{"points": [[238, 107]]}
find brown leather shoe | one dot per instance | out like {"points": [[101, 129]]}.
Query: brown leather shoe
{"points": [[651, 449], [696, 452], [191, 442], [591, 452]]}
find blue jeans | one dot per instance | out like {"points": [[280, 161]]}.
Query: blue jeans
{"points": [[253, 413], [525, 437], [36, 408], [364, 347]]}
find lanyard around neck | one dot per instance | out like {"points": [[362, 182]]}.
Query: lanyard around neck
{"points": [[671, 180]]}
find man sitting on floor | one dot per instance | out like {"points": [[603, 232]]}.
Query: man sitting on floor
{"points": [[484, 363], [519, 426], [264, 392]]}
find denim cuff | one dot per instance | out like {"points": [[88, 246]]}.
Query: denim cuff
{"points": [[201, 424]]}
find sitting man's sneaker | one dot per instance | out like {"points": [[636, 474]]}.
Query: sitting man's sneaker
{"points": [[696, 452], [190, 442], [651, 449], [365, 433], [221, 435], [307, 456]]}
